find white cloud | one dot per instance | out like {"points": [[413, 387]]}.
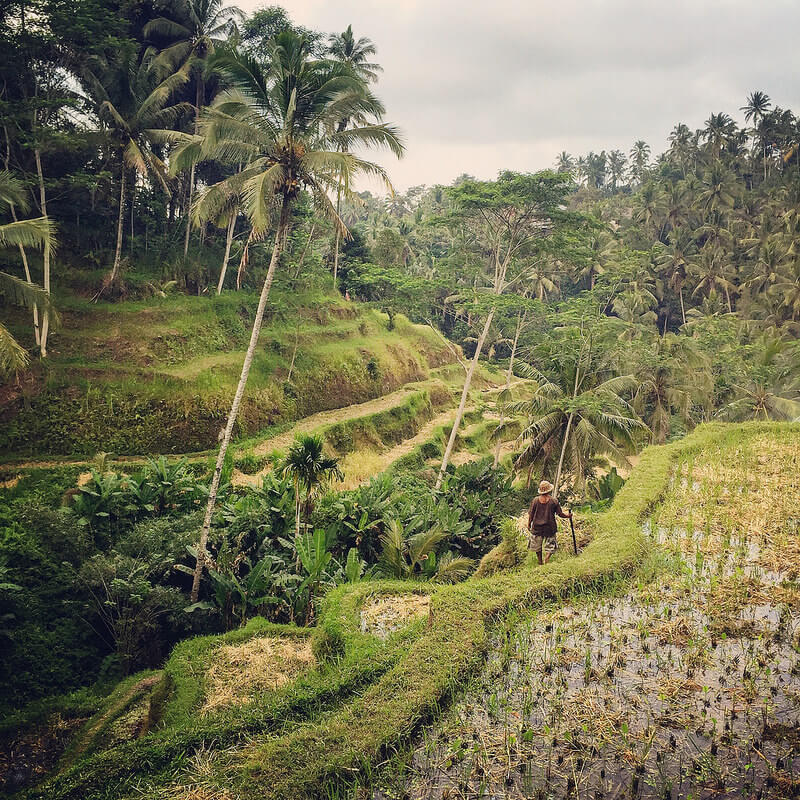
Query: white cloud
{"points": [[478, 87]]}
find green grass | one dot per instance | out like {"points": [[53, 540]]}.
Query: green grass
{"points": [[455, 640], [157, 376], [374, 694]]}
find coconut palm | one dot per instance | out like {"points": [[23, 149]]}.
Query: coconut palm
{"points": [[755, 109], [718, 191], [771, 256], [787, 289], [718, 130], [673, 373], [617, 163], [674, 258], [565, 163], [712, 270], [282, 124], [640, 157], [680, 145], [344, 47], [14, 357], [37, 233], [194, 28], [763, 400], [352, 52], [575, 415], [308, 467], [133, 102]]}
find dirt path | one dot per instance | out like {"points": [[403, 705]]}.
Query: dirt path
{"points": [[360, 467], [323, 419], [278, 442]]}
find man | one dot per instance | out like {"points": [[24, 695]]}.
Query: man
{"points": [[542, 521]]}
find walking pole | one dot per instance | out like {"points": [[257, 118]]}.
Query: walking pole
{"points": [[572, 526]]}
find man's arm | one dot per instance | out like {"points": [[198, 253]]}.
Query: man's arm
{"points": [[561, 512]]}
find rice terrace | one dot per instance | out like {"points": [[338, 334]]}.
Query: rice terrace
{"points": [[356, 444]]}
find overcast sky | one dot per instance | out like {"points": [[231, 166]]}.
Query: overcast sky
{"points": [[483, 86]]}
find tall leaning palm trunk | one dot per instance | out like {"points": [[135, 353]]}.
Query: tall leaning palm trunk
{"points": [[237, 397], [280, 125], [43, 333], [463, 402], [509, 374]]}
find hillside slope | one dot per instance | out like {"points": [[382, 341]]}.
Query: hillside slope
{"points": [[243, 746], [157, 376]]}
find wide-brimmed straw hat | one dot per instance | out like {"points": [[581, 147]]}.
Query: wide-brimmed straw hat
{"points": [[545, 487]]}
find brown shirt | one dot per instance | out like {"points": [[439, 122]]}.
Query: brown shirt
{"points": [[542, 516]]}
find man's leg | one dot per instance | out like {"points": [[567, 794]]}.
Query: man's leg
{"points": [[538, 541], [549, 546]]}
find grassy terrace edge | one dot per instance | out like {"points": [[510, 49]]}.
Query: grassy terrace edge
{"points": [[367, 696], [456, 638]]}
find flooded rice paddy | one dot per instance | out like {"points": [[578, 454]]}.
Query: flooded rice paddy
{"points": [[685, 685]]}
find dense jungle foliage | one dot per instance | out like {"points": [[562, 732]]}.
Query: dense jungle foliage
{"points": [[178, 200]]}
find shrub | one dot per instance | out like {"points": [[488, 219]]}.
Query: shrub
{"points": [[508, 554]]}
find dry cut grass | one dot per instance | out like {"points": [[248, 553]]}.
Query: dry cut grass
{"points": [[264, 663], [384, 615]]}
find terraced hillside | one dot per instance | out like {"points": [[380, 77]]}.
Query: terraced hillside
{"points": [[662, 661], [157, 376]]}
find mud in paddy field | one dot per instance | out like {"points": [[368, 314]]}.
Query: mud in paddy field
{"points": [[683, 686]]}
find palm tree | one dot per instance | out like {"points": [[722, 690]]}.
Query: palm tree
{"points": [[132, 103], [640, 157], [282, 124], [37, 233], [711, 268], [680, 145], [787, 289], [770, 257], [719, 128], [763, 400], [719, 189], [13, 356], [578, 415], [672, 375], [565, 163], [755, 109], [617, 163], [649, 207], [308, 466], [194, 28], [674, 258], [348, 50]]}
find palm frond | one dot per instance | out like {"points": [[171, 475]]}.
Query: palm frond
{"points": [[13, 356]]}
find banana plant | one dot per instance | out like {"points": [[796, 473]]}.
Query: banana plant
{"points": [[235, 596]]}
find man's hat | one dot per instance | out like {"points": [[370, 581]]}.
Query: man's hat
{"points": [[545, 487]]}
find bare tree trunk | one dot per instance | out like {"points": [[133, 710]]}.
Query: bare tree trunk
{"points": [[237, 399], [120, 218], [464, 394], [683, 310], [27, 269], [508, 384], [305, 250], [561, 457], [336, 257], [188, 214], [228, 242], [294, 353], [46, 256], [198, 103], [243, 259]]}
